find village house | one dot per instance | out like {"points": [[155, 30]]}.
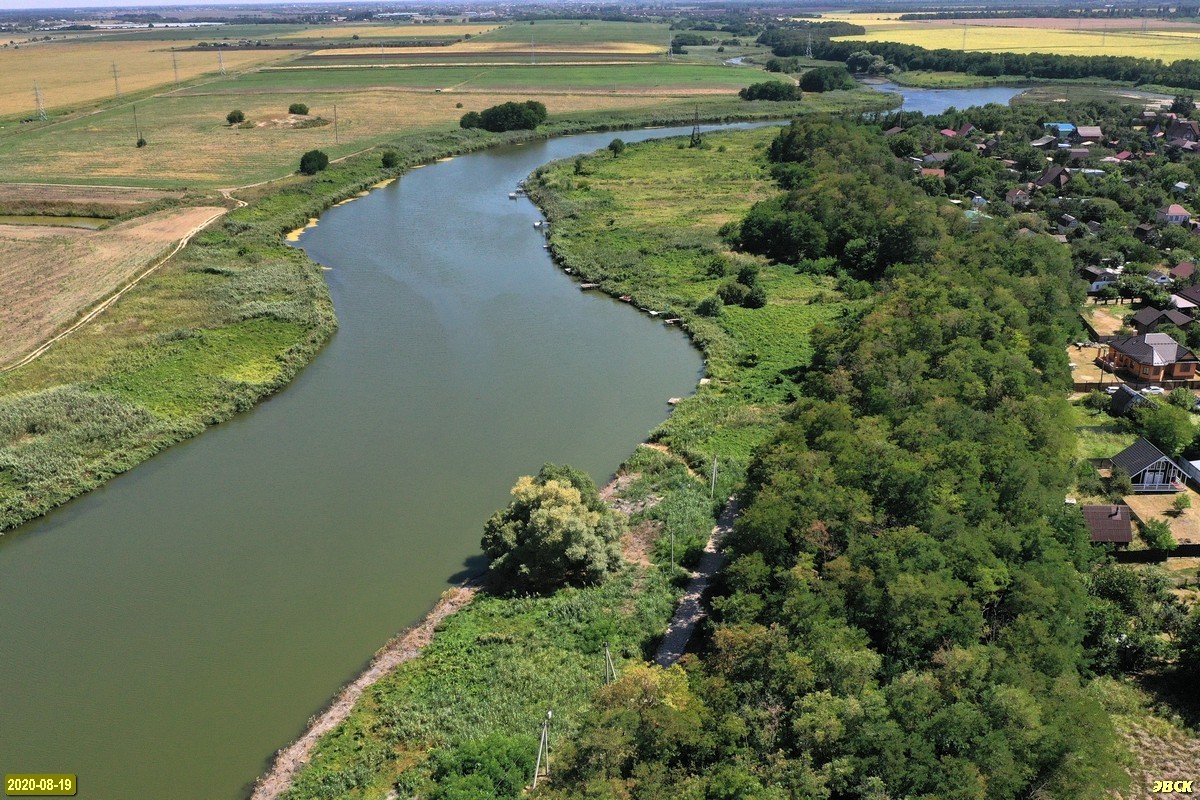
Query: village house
{"points": [[1055, 176], [1182, 271], [1152, 357], [1125, 399], [1173, 214], [936, 158], [1108, 524], [1183, 129], [1060, 130], [1146, 320], [1088, 133], [1017, 197], [1187, 297], [1150, 470], [1042, 141], [933, 173]]}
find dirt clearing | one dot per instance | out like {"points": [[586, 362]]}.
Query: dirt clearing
{"points": [[50, 275]]}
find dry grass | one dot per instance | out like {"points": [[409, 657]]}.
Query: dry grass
{"points": [[49, 275], [502, 48], [385, 31], [1169, 46], [1108, 319], [216, 155], [73, 72], [1162, 752], [1185, 527]]}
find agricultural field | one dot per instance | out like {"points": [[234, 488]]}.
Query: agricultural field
{"points": [[1162, 40], [80, 71], [582, 32], [388, 31], [50, 275]]}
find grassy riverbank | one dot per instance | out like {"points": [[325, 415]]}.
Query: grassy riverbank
{"points": [[231, 319], [646, 224]]}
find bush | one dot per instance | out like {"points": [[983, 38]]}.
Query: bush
{"points": [[1120, 483], [390, 159], [496, 766], [471, 119], [616, 147], [141, 142], [710, 307], [771, 90], [1181, 503], [235, 117], [556, 532], [1097, 400], [298, 108], [313, 162], [1157, 535]]}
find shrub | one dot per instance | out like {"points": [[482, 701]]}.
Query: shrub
{"points": [[297, 108], [616, 147], [1120, 483], [313, 162], [710, 306], [471, 119], [506, 117], [496, 766], [141, 142], [235, 117], [390, 159], [826, 79], [1181, 503], [1157, 535], [556, 532]]}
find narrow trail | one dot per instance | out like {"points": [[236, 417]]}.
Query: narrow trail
{"points": [[97, 310], [690, 612], [404, 647]]}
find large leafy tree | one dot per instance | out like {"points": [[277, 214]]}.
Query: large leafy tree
{"points": [[556, 532]]}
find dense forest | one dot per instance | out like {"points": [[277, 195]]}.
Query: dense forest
{"points": [[910, 609]]}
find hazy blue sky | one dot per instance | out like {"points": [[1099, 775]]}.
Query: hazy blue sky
{"points": [[8, 5]]}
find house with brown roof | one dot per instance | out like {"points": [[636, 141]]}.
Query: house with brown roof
{"points": [[1146, 320], [1173, 214], [1109, 524], [1055, 176], [1185, 129], [1152, 357], [1182, 271], [1017, 197], [933, 173], [1088, 133]]}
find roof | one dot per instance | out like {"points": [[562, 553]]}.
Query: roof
{"points": [[1124, 399], [1014, 193], [935, 157], [937, 173], [1109, 523], [1153, 316], [1175, 210], [1184, 269], [1062, 127], [948, 132], [1153, 349], [1089, 132], [1137, 457], [893, 131], [1041, 141], [1054, 174]]}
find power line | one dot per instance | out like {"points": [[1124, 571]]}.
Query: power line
{"points": [[543, 752], [37, 95]]}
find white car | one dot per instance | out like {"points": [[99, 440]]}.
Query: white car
{"points": [[1154, 390], [1112, 389]]}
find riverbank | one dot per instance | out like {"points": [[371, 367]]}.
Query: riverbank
{"points": [[680, 197], [231, 320]]}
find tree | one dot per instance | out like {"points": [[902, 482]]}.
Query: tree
{"points": [[235, 117], [313, 162], [1168, 427], [826, 79], [1181, 503], [506, 117], [1181, 397], [556, 532], [471, 119], [1183, 104], [390, 159], [298, 108], [771, 90], [1120, 483], [616, 147], [1157, 535]]}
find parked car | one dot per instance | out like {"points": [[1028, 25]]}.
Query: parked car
{"points": [[1112, 389], [1154, 390]]}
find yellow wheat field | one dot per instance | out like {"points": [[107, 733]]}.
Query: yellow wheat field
{"points": [[1002, 39], [388, 31], [76, 72]]}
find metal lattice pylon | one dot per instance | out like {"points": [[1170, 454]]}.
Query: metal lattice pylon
{"points": [[41, 106]]}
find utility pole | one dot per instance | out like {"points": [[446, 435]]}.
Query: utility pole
{"points": [[532, 57], [712, 490], [336, 139], [610, 672], [136, 127], [221, 61], [543, 751], [964, 47], [37, 95], [175, 66], [116, 73]]}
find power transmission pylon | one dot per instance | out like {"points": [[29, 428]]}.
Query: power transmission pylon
{"points": [[542, 768], [808, 46], [610, 672], [696, 140], [221, 61], [116, 73], [37, 95], [175, 66]]}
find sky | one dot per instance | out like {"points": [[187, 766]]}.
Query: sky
{"points": [[15, 5]]}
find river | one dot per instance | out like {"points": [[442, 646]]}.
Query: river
{"points": [[163, 635]]}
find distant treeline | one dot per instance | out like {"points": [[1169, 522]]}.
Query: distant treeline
{"points": [[1058, 12], [1184, 73]]}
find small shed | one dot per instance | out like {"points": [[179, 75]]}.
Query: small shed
{"points": [[1149, 468], [1109, 524]]}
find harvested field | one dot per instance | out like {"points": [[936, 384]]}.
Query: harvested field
{"points": [[481, 46], [49, 275], [1002, 39], [75, 72], [389, 31], [577, 31]]}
